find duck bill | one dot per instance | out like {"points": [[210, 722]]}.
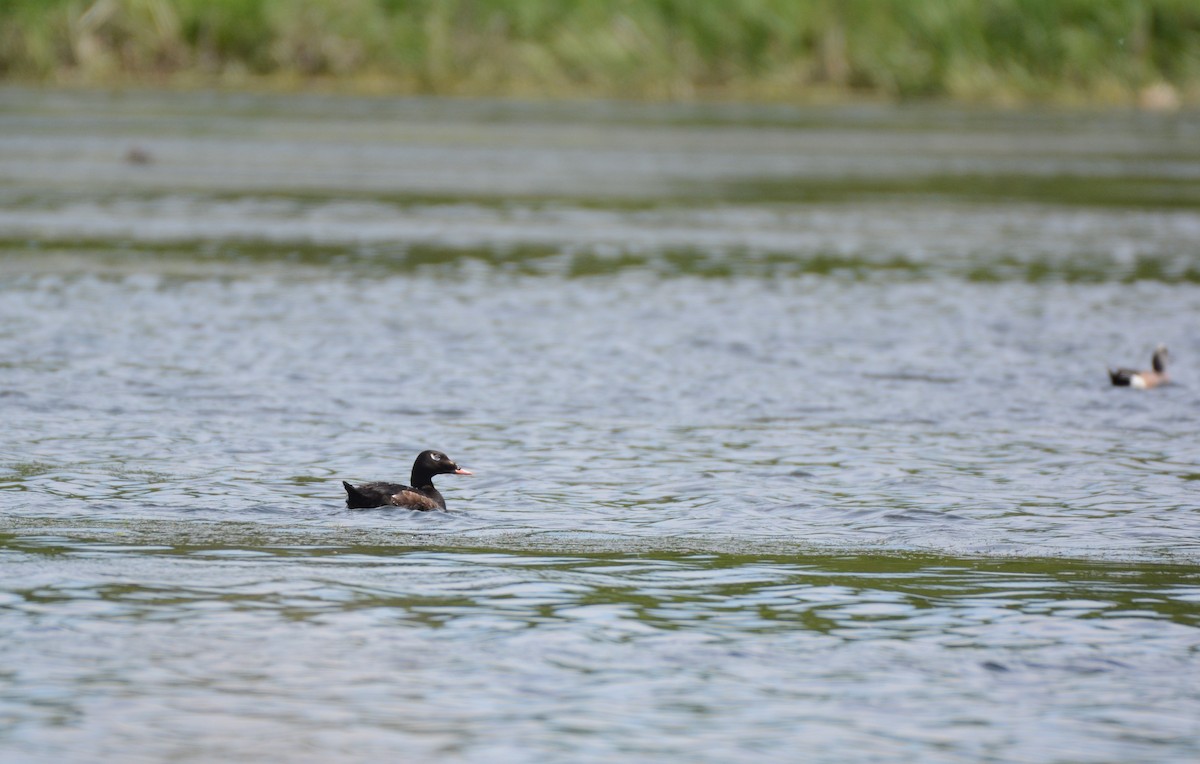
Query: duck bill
{"points": [[461, 471]]}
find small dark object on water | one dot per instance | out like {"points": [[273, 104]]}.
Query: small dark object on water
{"points": [[138, 155], [1143, 380], [421, 495]]}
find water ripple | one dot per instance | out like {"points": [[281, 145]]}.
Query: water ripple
{"points": [[783, 440]]}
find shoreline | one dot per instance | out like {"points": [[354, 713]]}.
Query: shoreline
{"points": [[1149, 102]]}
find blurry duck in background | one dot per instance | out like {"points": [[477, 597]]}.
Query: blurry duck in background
{"points": [[1143, 380]]}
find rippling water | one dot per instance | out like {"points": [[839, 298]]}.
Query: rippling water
{"points": [[791, 431]]}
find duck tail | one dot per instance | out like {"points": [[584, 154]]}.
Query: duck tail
{"points": [[354, 498], [1119, 377]]}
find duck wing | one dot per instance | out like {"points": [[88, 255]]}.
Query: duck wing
{"points": [[411, 499], [368, 495], [1122, 377]]}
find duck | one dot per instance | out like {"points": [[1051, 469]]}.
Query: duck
{"points": [[420, 496], [1143, 380], [138, 155]]}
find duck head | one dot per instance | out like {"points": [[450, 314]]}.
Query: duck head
{"points": [[1160, 359], [430, 463]]}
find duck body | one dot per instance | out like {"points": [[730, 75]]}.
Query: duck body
{"points": [[1139, 380], [1143, 379], [420, 496], [380, 494]]}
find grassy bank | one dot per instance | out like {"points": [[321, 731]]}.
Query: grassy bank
{"points": [[997, 51]]}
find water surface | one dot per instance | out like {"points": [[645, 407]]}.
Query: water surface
{"points": [[791, 431]]}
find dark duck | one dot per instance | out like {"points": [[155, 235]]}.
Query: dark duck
{"points": [[1143, 380], [421, 495]]}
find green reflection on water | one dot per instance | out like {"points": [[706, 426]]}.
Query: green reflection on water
{"points": [[1094, 270], [198, 260], [1069, 190], [663, 589], [27, 469]]}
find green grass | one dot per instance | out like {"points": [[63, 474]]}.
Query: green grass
{"points": [[996, 51]]}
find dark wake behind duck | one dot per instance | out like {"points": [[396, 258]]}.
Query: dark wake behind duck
{"points": [[421, 495]]}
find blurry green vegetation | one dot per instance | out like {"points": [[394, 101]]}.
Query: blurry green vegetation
{"points": [[998, 51]]}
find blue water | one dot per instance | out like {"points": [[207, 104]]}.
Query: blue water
{"points": [[791, 430]]}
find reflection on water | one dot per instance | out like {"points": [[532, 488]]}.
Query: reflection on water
{"points": [[875, 241], [783, 440], [481, 654], [935, 415]]}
